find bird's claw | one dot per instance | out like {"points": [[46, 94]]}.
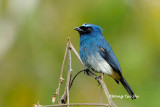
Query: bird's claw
{"points": [[97, 78], [86, 71]]}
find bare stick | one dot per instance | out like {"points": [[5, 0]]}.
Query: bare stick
{"points": [[75, 77], [92, 74], [75, 104], [107, 93], [101, 89], [104, 88], [64, 96], [101, 95], [69, 71], [76, 53], [70, 82], [61, 79]]}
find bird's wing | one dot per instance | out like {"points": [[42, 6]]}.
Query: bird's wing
{"points": [[109, 56]]}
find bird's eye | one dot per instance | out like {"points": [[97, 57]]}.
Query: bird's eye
{"points": [[83, 27], [89, 29], [86, 28]]}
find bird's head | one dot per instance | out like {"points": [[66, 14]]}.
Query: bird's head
{"points": [[87, 29]]}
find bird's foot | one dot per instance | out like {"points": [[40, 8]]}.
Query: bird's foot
{"points": [[97, 78], [86, 71]]}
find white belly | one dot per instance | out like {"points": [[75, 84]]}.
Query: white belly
{"points": [[99, 64]]}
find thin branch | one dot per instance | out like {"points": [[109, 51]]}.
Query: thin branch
{"points": [[107, 93], [75, 77], [95, 76], [101, 94], [75, 104], [76, 53], [60, 79], [65, 96], [100, 80], [69, 71], [101, 89], [104, 88]]}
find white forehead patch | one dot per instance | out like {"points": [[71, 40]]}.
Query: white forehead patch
{"points": [[85, 24], [92, 25]]}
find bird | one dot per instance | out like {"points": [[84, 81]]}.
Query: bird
{"points": [[98, 56]]}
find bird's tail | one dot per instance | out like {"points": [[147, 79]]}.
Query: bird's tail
{"points": [[127, 87]]}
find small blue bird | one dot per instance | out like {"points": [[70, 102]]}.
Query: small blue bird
{"points": [[97, 55]]}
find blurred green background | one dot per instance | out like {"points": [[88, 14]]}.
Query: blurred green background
{"points": [[33, 36]]}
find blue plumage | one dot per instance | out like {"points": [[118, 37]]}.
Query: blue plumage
{"points": [[98, 56]]}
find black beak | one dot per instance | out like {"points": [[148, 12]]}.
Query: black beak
{"points": [[77, 29]]}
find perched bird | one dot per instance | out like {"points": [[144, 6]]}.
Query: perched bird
{"points": [[97, 55]]}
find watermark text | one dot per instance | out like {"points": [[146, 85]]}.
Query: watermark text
{"points": [[122, 96]]}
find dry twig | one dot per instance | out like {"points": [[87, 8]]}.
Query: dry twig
{"points": [[76, 104], [60, 79], [69, 71], [65, 96]]}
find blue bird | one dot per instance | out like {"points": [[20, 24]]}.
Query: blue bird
{"points": [[97, 55]]}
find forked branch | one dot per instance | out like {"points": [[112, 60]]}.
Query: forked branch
{"points": [[69, 83]]}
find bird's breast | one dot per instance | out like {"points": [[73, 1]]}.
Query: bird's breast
{"points": [[96, 62]]}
